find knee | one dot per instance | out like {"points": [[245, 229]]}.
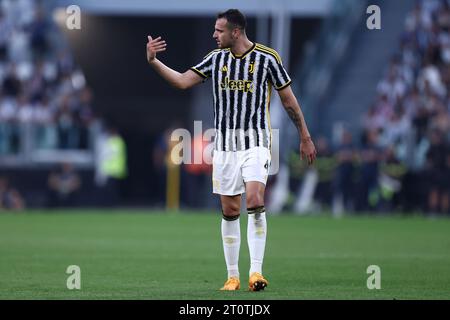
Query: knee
{"points": [[231, 210], [254, 200]]}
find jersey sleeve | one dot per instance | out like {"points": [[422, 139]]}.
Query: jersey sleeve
{"points": [[204, 68], [278, 74]]}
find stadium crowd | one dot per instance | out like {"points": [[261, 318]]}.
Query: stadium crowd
{"points": [[401, 162], [403, 159], [40, 84], [411, 114]]}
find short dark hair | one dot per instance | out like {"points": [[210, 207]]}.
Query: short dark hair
{"points": [[235, 18]]}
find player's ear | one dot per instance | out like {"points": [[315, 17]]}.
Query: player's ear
{"points": [[235, 33]]}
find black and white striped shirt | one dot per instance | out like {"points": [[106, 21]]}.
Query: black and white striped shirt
{"points": [[242, 87]]}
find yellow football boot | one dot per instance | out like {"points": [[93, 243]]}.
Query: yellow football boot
{"points": [[257, 282], [231, 284]]}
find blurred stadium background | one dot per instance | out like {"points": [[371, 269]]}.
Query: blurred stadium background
{"points": [[85, 123]]}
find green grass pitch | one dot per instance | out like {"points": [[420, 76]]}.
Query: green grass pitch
{"points": [[156, 255]]}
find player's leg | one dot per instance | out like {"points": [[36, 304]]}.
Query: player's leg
{"points": [[256, 233], [255, 172], [227, 182], [231, 238]]}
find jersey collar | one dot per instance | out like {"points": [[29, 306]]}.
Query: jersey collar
{"points": [[245, 54]]}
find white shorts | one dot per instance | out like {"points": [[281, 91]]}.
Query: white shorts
{"points": [[231, 169]]}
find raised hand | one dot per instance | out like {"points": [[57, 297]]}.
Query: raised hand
{"points": [[154, 46]]}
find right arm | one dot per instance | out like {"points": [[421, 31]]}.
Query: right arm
{"points": [[176, 79]]}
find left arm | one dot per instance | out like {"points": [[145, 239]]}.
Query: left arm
{"points": [[290, 104]]}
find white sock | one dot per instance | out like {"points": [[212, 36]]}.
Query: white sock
{"points": [[256, 237], [231, 237]]}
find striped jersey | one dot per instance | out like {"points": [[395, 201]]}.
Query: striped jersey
{"points": [[241, 89]]}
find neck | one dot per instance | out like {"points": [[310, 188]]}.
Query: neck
{"points": [[241, 46]]}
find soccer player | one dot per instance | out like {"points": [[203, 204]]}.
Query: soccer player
{"points": [[242, 74]]}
